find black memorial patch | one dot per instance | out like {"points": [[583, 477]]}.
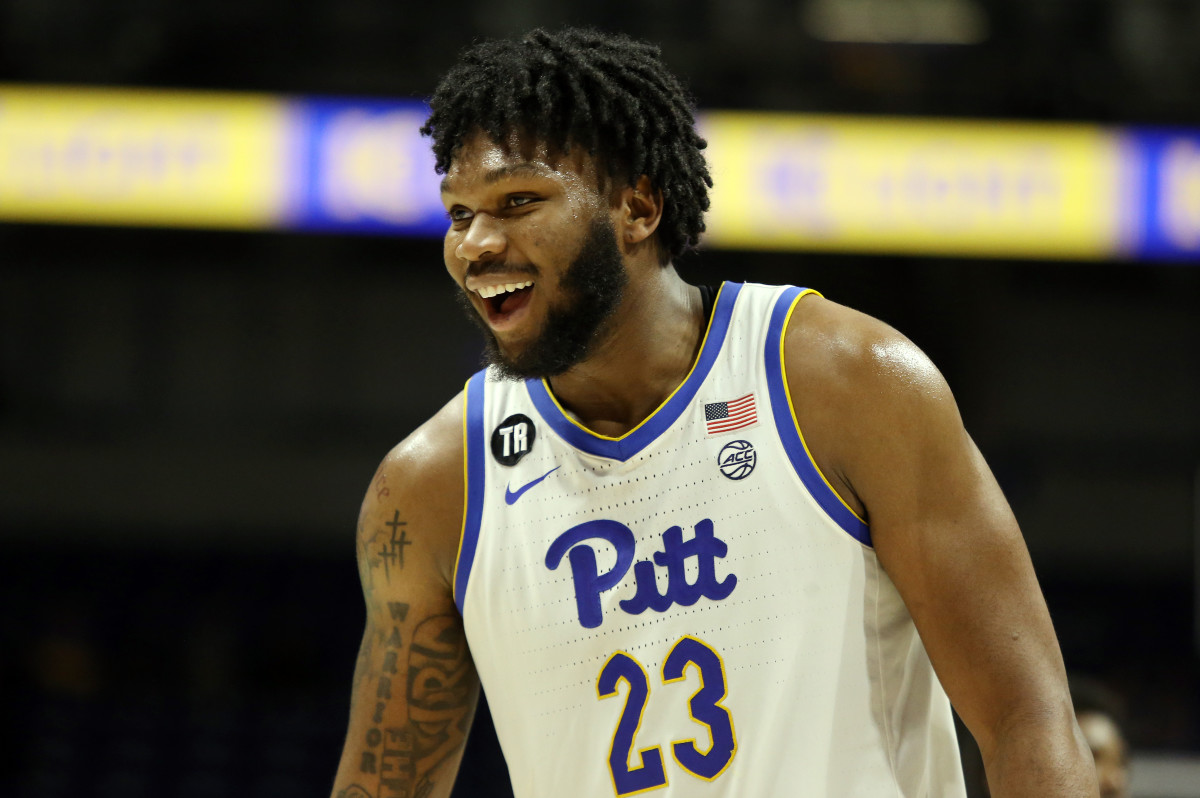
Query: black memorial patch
{"points": [[513, 439]]}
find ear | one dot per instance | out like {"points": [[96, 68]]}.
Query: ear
{"points": [[639, 210]]}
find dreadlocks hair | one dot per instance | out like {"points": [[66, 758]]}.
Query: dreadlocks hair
{"points": [[608, 93]]}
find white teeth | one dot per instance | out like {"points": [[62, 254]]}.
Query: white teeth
{"points": [[489, 291]]}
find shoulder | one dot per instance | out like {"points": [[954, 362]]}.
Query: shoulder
{"points": [[432, 454], [419, 484], [862, 391], [842, 349]]}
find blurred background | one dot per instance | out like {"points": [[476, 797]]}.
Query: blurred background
{"points": [[197, 380]]}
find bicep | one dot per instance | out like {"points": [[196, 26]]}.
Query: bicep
{"points": [[961, 566], [412, 704], [883, 426], [946, 536], [415, 686]]}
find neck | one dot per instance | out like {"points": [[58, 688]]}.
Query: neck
{"points": [[652, 342]]}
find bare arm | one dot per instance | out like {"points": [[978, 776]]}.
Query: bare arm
{"points": [[886, 431], [415, 687]]}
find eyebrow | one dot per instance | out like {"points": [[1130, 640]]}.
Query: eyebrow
{"points": [[491, 176]]}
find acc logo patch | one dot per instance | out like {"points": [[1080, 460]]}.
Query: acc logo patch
{"points": [[513, 439], [737, 459]]}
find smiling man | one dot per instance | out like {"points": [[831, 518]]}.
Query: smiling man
{"points": [[725, 541]]}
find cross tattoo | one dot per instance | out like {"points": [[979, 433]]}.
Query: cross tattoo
{"points": [[393, 551]]}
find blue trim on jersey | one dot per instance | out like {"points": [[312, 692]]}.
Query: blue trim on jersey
{"points": [[473, 512], [789, 432], [664, 417]]}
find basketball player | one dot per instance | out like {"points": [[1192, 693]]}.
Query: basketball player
{"points": [[712, 542]]}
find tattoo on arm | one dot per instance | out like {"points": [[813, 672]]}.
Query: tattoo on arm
{"points": [[392, 550], [428, 664], [369, 562], [367, 565], [353, 791], [392, 644], [381, 549], [439, 687], [380, 486]]}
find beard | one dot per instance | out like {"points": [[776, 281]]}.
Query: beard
{"points": [[592, 288]]}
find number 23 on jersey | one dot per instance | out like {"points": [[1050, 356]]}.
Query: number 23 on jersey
{"points": [[704, 706]]}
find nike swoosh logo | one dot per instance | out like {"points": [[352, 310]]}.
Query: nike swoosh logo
{"points": [[511, 496]]}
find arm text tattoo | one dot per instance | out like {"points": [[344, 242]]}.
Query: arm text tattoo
{"points": [[439, 688]]}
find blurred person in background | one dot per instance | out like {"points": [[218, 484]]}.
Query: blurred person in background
{"points": [[1101, 720], [619, 527], [1100, 715]]}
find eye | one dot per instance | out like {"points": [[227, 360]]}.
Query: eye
{"points": [[458, 214], [520, 200]]}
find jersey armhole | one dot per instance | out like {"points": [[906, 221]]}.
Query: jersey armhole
{"points": [[788, 426], [473, 467]]}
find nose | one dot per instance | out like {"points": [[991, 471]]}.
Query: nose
{"points": [[483, 240]]}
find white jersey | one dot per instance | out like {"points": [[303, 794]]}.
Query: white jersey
{"points": [[689, 607]]}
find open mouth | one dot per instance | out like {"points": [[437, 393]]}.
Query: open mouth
{"points": [[502, 301]]}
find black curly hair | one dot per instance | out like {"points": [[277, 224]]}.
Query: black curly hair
{"points": [[607, 92]]}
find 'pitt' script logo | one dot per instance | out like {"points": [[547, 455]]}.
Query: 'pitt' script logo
{"points": [[590, 583]]}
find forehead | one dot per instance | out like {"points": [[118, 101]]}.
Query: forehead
{"points": [[481, 162]]}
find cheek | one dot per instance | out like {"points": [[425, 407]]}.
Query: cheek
{"points": [[454, 264], [532, 236]]}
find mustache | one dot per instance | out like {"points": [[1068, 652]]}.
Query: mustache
{"points": [[484, 269]]}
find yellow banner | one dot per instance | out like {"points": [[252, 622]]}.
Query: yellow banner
{"points": [[141, 157], [787, 182]]}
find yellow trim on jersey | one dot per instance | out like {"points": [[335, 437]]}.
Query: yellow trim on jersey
{"points": [[462, 532], [787, 320], [703, 343]]}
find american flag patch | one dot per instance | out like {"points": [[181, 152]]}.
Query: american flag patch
{"points": [[731, 415]]}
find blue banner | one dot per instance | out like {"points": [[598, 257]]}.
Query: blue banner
{"points": [[362, 166], [1161, 212]]}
